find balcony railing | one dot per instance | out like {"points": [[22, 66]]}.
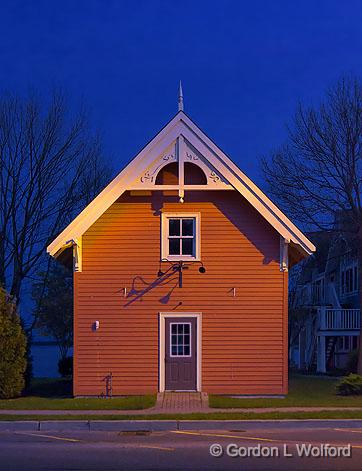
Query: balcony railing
{"points": [[339, 319]]}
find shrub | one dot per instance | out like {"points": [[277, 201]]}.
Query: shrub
{"points": [[65, 366], [12, 349], [350, 385]]}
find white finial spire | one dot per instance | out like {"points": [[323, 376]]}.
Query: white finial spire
{"points": [[180, 98]]}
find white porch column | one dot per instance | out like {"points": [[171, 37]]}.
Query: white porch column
{"points": [[321, 354]]}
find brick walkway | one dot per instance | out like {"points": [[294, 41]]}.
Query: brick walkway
{"points": [[182, 402]]}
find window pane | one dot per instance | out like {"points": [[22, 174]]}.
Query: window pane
{"points": [[187, 246], [174, 350], [174, 246], [188, 227], [187, 350], [187, 328], [174, 328], [180, 350], [174, 227]]}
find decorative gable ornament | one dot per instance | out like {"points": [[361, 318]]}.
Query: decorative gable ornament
{"points": [[181, 154]]}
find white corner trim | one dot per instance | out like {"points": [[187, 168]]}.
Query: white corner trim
{"points": [[162, 342], [78, 254], [164, 235]]}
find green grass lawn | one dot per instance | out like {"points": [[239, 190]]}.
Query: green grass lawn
{"points": [[308, 391], [46, 393]]}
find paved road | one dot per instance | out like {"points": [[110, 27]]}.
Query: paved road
{"points": [[183, 449]]}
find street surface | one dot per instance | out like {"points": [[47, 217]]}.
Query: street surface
{"points": [[183, 449]]}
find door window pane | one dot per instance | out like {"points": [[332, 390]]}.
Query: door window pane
{"points": [[180, 339]]}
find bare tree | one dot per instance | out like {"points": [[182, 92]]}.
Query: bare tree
{"points": [[50, 166], [297, 315], [53, 296], [318, 173]]}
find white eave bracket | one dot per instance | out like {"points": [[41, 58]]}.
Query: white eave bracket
{"points": [[77, 253], [284, 246]]}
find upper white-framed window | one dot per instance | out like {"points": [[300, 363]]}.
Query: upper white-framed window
{"points": [[180, 236]]}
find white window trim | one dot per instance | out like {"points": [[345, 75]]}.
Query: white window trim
{"points": [[164, 237], [162, 345]]}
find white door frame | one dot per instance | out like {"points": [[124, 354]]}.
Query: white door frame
{"points": [[161, 345]]}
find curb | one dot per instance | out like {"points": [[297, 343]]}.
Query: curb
{"points": [[133, 425], [19, 425], [152, 425]]}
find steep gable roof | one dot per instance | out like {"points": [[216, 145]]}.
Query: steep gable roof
{"points": [[182, 130]]}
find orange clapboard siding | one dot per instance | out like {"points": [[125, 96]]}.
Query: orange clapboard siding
{"points": [[244, 338]]}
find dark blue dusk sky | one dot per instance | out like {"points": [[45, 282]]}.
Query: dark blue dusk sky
{"points": [[244, 65]]}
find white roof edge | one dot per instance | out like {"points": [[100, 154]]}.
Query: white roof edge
{"points": [[118, 185]]}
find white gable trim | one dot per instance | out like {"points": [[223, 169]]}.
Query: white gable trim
{"points": [[181, 127]]}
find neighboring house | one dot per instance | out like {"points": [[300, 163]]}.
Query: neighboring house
{"points": [[328, 289], [181, 275]]}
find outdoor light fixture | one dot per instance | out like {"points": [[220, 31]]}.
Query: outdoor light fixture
{"points": [[179, 266], [96, 325]]}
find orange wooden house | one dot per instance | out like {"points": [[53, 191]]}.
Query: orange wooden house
{"points": [[181, 275]]}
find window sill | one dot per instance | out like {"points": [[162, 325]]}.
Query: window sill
{"points": [[180, 258]]}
